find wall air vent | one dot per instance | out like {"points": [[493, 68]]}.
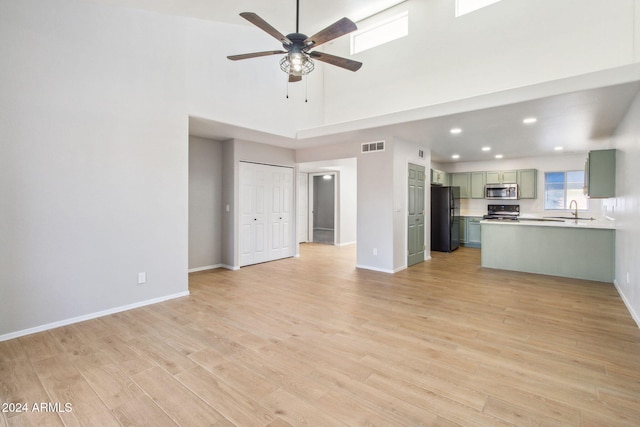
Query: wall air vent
{"points": [[369, 147]]}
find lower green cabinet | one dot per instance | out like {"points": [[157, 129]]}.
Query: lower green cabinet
{"points": [[470, 231], [473, 231]]}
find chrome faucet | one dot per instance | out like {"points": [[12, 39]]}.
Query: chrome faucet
{"points": [[575, 212]]}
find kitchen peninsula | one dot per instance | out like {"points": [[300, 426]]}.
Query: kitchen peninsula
{"points": [[578, 249]]}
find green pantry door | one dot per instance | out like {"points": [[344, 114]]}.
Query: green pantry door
{"points": [[415, 232]]}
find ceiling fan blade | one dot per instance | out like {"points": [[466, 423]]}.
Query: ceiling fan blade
{"points": [[345, 63], [293, 79], [265, 26], [333, 31], [255, 54]]}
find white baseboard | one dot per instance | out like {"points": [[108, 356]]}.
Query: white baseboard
{"points": [[634, 315], [346, 244], [206, 267], [381, 270], [89, 316]]}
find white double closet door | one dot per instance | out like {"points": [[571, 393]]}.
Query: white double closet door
{"points": [[266, 201]]}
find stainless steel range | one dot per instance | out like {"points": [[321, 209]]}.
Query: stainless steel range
{"points": [[503, 212]]}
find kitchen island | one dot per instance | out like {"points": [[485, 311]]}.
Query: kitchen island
{"points": [[578, 249]]}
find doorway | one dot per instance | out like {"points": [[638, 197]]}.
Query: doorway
{"points": [[415, 208], [324, 208]]}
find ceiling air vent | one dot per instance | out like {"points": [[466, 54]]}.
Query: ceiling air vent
{"points": [[369, 147]]}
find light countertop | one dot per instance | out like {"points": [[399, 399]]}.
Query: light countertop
{"points": [[541, 222]]}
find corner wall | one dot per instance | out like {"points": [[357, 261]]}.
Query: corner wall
{"points": [[205, 203], [93, 162], [626, 209]]}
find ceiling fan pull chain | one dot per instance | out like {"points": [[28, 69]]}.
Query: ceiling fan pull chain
{"points": [[306, 87]]}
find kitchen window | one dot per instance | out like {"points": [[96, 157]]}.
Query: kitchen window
{"points": [[384, 32], [560, 188], [467, 6]]}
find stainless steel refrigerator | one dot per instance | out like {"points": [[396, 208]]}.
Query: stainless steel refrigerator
{"points": [[445, 218]]}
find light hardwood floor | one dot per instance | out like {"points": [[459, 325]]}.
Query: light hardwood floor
{"points": [[315, 341]]}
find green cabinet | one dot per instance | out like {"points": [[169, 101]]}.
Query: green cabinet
{"points": [[439, 177], [470, 231], [527, 183], [502, 177], [462, 180], [473, 231], [478, 181], [472, 184], [600, 174]]}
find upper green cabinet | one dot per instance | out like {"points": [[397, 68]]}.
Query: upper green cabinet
{"points": [[527, 183], [478, 181], [600, 174], [502, 177], [472, 183], [462, 180], [439, 177]]}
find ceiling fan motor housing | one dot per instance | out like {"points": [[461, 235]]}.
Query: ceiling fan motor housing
{"points": [[297, 62]]}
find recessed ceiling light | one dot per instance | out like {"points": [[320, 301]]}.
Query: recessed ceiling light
{"points": [[327, 177], [499, 156], [529, 120], [486, 148], [455, 131], [455, 156], [558, 148]]}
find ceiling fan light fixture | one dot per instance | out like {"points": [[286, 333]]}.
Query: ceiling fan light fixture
{"points": [[297, 64]]}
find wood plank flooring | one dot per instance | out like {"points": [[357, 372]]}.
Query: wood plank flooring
{"points": [[315, 341]]}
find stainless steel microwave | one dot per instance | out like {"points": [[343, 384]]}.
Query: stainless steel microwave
{"points": [[501, 191]]}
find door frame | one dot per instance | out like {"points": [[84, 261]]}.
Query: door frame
{"points": [[336, 204]]}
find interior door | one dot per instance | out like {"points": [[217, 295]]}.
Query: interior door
{"points": [[415, 210], [253, 227], [280, 212], [266, 201]]}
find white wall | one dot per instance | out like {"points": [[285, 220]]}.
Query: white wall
{"points": [[93, 160], [348, 201], [626, 209], [507, 45], [205, 203], [374, 198], [250, 93]]}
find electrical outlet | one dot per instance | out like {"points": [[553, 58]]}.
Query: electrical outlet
{"points": [[142, 278], [375, 251], [628, 278]]}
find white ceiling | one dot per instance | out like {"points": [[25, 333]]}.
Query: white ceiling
{"points": [[578, 119], [281, 14]]}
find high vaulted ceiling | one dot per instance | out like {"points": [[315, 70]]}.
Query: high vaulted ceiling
{"points": [[578, 117], [314, 15]]}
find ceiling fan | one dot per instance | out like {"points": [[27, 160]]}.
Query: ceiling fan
{"points": [[298, 60]]}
